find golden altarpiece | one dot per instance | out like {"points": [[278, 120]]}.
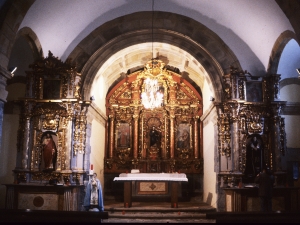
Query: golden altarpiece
{"points": [[251, 131], [251, 137], [164, 139], [49, 171]]}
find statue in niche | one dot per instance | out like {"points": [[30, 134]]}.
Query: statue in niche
{"points": [[155, 137], [49, 151], [254, 157]]}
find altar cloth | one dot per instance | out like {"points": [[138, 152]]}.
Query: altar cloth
{"points": [[151, 177]]}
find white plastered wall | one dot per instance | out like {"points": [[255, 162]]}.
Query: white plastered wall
{"points": [[8, 153], [209, 173], [97, 149], [208, 119], [290, 93]]}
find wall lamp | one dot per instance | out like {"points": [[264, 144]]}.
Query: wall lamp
{"points": [[12, 70], [298, 71], [92, 98], [211, 98]]}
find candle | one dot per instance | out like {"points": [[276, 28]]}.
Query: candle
{"points": [[92, 169]]}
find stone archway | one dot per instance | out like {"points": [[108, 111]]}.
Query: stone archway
{"points": [[206, 47], [278, 47]]}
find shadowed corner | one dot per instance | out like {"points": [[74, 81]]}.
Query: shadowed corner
{"points": [[209, 198]]}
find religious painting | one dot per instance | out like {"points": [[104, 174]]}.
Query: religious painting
{"points": [[51, 89], [123, 135], [254, 91], [183, 136], [49, 150]]}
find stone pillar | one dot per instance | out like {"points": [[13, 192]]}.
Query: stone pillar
{"points": [[4, 75]]}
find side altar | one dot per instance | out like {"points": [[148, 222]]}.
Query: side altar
{"points": [[153, 184], [51, 163]]}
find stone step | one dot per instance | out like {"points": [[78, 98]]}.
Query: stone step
{"points": [[156, 215], [159, 220], [158, 212]]}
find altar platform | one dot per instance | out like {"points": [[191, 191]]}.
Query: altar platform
{"points": [[193, 211]]}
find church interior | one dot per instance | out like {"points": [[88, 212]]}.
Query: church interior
{"points": [[202, 90]]}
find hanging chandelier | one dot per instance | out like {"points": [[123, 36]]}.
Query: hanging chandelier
{"points": [[151, 96]]}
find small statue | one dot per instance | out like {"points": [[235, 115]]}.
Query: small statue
{"points": [[154, 138], [49, 152], [93, 200]]}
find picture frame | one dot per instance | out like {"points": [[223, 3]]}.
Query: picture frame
{"points": [[254, 92], [123, 135], [183, 136], [52, 89]]}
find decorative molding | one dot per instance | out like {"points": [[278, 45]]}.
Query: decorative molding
{"points": [[291, 108], [94, 112], [289, 81], [207, 112]]}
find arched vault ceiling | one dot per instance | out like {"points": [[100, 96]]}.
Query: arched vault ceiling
{"points": [[135, 56], [247, 27]]}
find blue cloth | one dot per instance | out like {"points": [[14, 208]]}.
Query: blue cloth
{"points": [[87, 198]]}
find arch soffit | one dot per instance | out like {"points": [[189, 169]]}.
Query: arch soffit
{"points": [[203, 44], [32, 40], [277, 50]]}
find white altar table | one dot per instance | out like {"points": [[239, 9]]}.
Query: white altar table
{"points": [[173, 178]]}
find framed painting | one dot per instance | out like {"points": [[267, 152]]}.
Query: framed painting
{"points": [[123, 135], [52, 89], [254, 91], [183, 136]]}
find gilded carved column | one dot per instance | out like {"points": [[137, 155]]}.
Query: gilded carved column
{"points": [[276, 149], [277, 153], [196, 137], [63, 157], [111, 136], [235, 141], [172, 136], [136, 133], [172, 100], [200, 139], [26, 144], [136, 101]]}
